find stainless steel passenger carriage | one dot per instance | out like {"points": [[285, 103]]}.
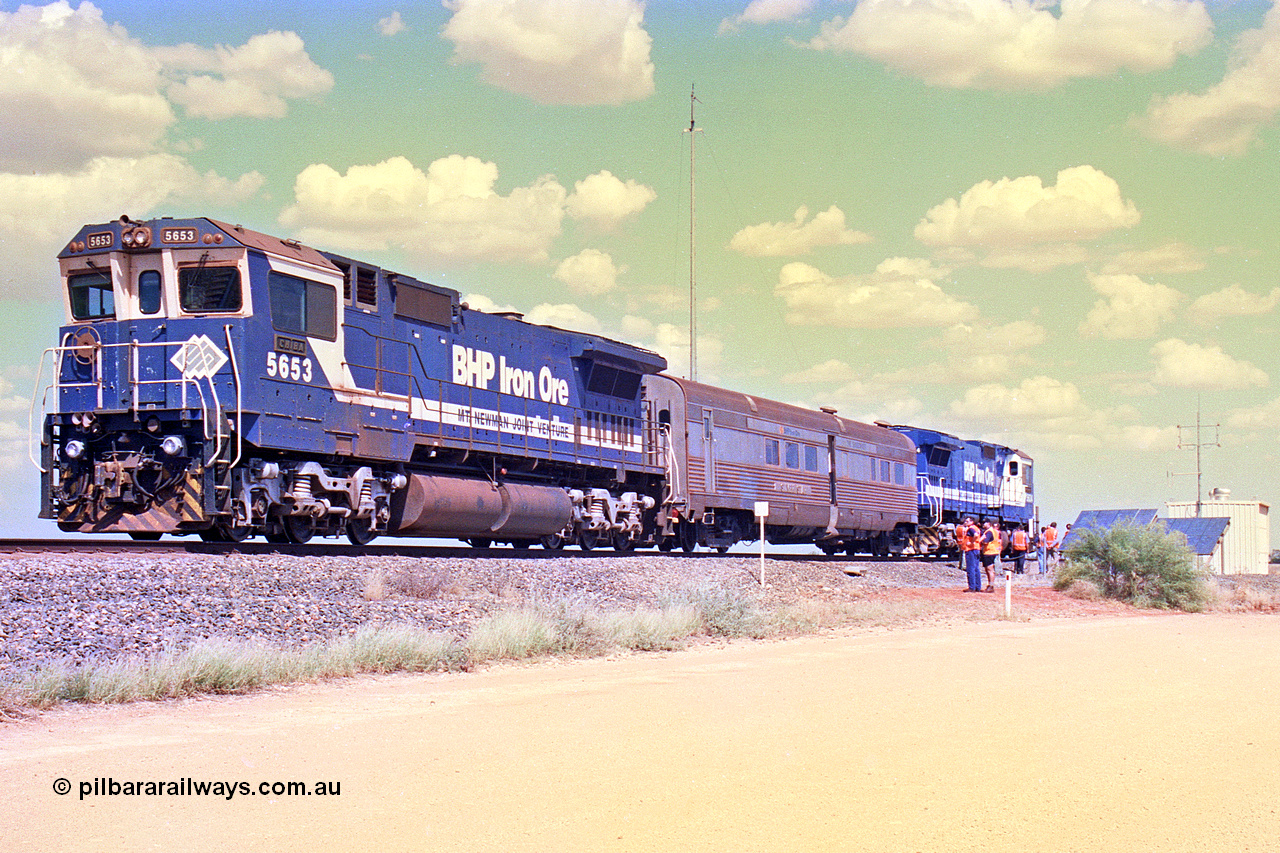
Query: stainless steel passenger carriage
{"points": [[839, 483]]}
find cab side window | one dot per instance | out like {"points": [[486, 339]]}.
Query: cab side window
{"points": [[303, 307], [149, 292], [208, 290], [91, 296]]}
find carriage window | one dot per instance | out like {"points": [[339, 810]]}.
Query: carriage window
{"points": [[91, 296], [149, 292], [771, 456], [810, 458], [303, 307], [899, 474], [204, 289], [884, 470], [793, 454]]}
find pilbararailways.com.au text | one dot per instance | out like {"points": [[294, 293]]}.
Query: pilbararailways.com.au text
{"points": [[188, 787]]}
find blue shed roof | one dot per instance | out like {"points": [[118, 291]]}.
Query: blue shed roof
{"points": [[1203, 534]]}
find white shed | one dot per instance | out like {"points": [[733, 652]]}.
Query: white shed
{"points": [[1246, 546]]}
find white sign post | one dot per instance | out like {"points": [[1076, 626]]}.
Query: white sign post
{"points": [[762, 512]]}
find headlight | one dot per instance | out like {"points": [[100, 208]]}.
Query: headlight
{"points": [[173, 445], [74, 449]]}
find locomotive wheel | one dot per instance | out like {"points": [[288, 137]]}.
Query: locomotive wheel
{"points": [[688, 533], [588, 539], [623, 542], [235, 533], [480, 543], [298, 529], [144, 536], [554, 542], [360, 531], [666, 545]]}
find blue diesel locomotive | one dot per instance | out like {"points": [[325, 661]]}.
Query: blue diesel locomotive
{"points": [[216, 381], [219, 381], [958, 478]]}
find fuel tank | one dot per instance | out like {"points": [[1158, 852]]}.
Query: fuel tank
{"points": [[457, 508]]}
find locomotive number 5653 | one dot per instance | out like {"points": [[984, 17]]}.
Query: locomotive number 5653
{"points": [[288, 367]]}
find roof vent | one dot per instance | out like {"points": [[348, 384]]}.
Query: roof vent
{"points": [[1220, 494]]}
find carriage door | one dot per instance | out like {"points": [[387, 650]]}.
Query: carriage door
{"points": [[831, 461], [709, 449]]}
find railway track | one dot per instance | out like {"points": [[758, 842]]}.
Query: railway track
{"points": [[14, 547]]}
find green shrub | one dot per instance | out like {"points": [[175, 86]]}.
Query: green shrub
{"points": [[1144, 565]]}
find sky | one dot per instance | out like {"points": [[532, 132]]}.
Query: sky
{"points": [[1048, 225]]}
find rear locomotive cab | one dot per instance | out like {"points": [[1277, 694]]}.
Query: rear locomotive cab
{"points": [[961, 478], [167, 320]]}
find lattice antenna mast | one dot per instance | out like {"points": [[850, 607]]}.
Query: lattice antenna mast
{"points": [[1199, 444], [693, 291]]}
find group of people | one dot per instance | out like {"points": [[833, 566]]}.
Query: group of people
{"points": [[981, 547]]}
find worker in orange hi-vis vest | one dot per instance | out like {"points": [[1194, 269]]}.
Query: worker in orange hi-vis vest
{"points": [[1019, 542], [1051, 543], [967, 542], [991, 544]]}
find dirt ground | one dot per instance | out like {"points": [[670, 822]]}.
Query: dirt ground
{"points": [[1141, 732]]}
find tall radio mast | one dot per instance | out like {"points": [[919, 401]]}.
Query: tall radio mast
{"points": [[693, 322]]}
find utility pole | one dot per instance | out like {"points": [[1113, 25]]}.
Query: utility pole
{"points": [[1198, 444], [693, 298]]}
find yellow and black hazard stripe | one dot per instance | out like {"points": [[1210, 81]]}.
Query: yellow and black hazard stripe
{"points": [[191, 496]]}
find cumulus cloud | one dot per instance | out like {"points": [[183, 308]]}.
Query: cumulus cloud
{"points": [[672, 343], [451, 210], [832, 370], [40, 207], [1225, 119], [564, 316], [1036, 399], [590, 272], [1233, 301], [1048, 412], [1016, 335], [1084, 204], [392, 25], [797, 237], [1262, 417], [1183, 365], [1131, 308], [84, 88], [254, 80], [1018, 44], [575, 52], [1035, 258], [900, 293], [1169, 258], [767, 12], [606, 200]]}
